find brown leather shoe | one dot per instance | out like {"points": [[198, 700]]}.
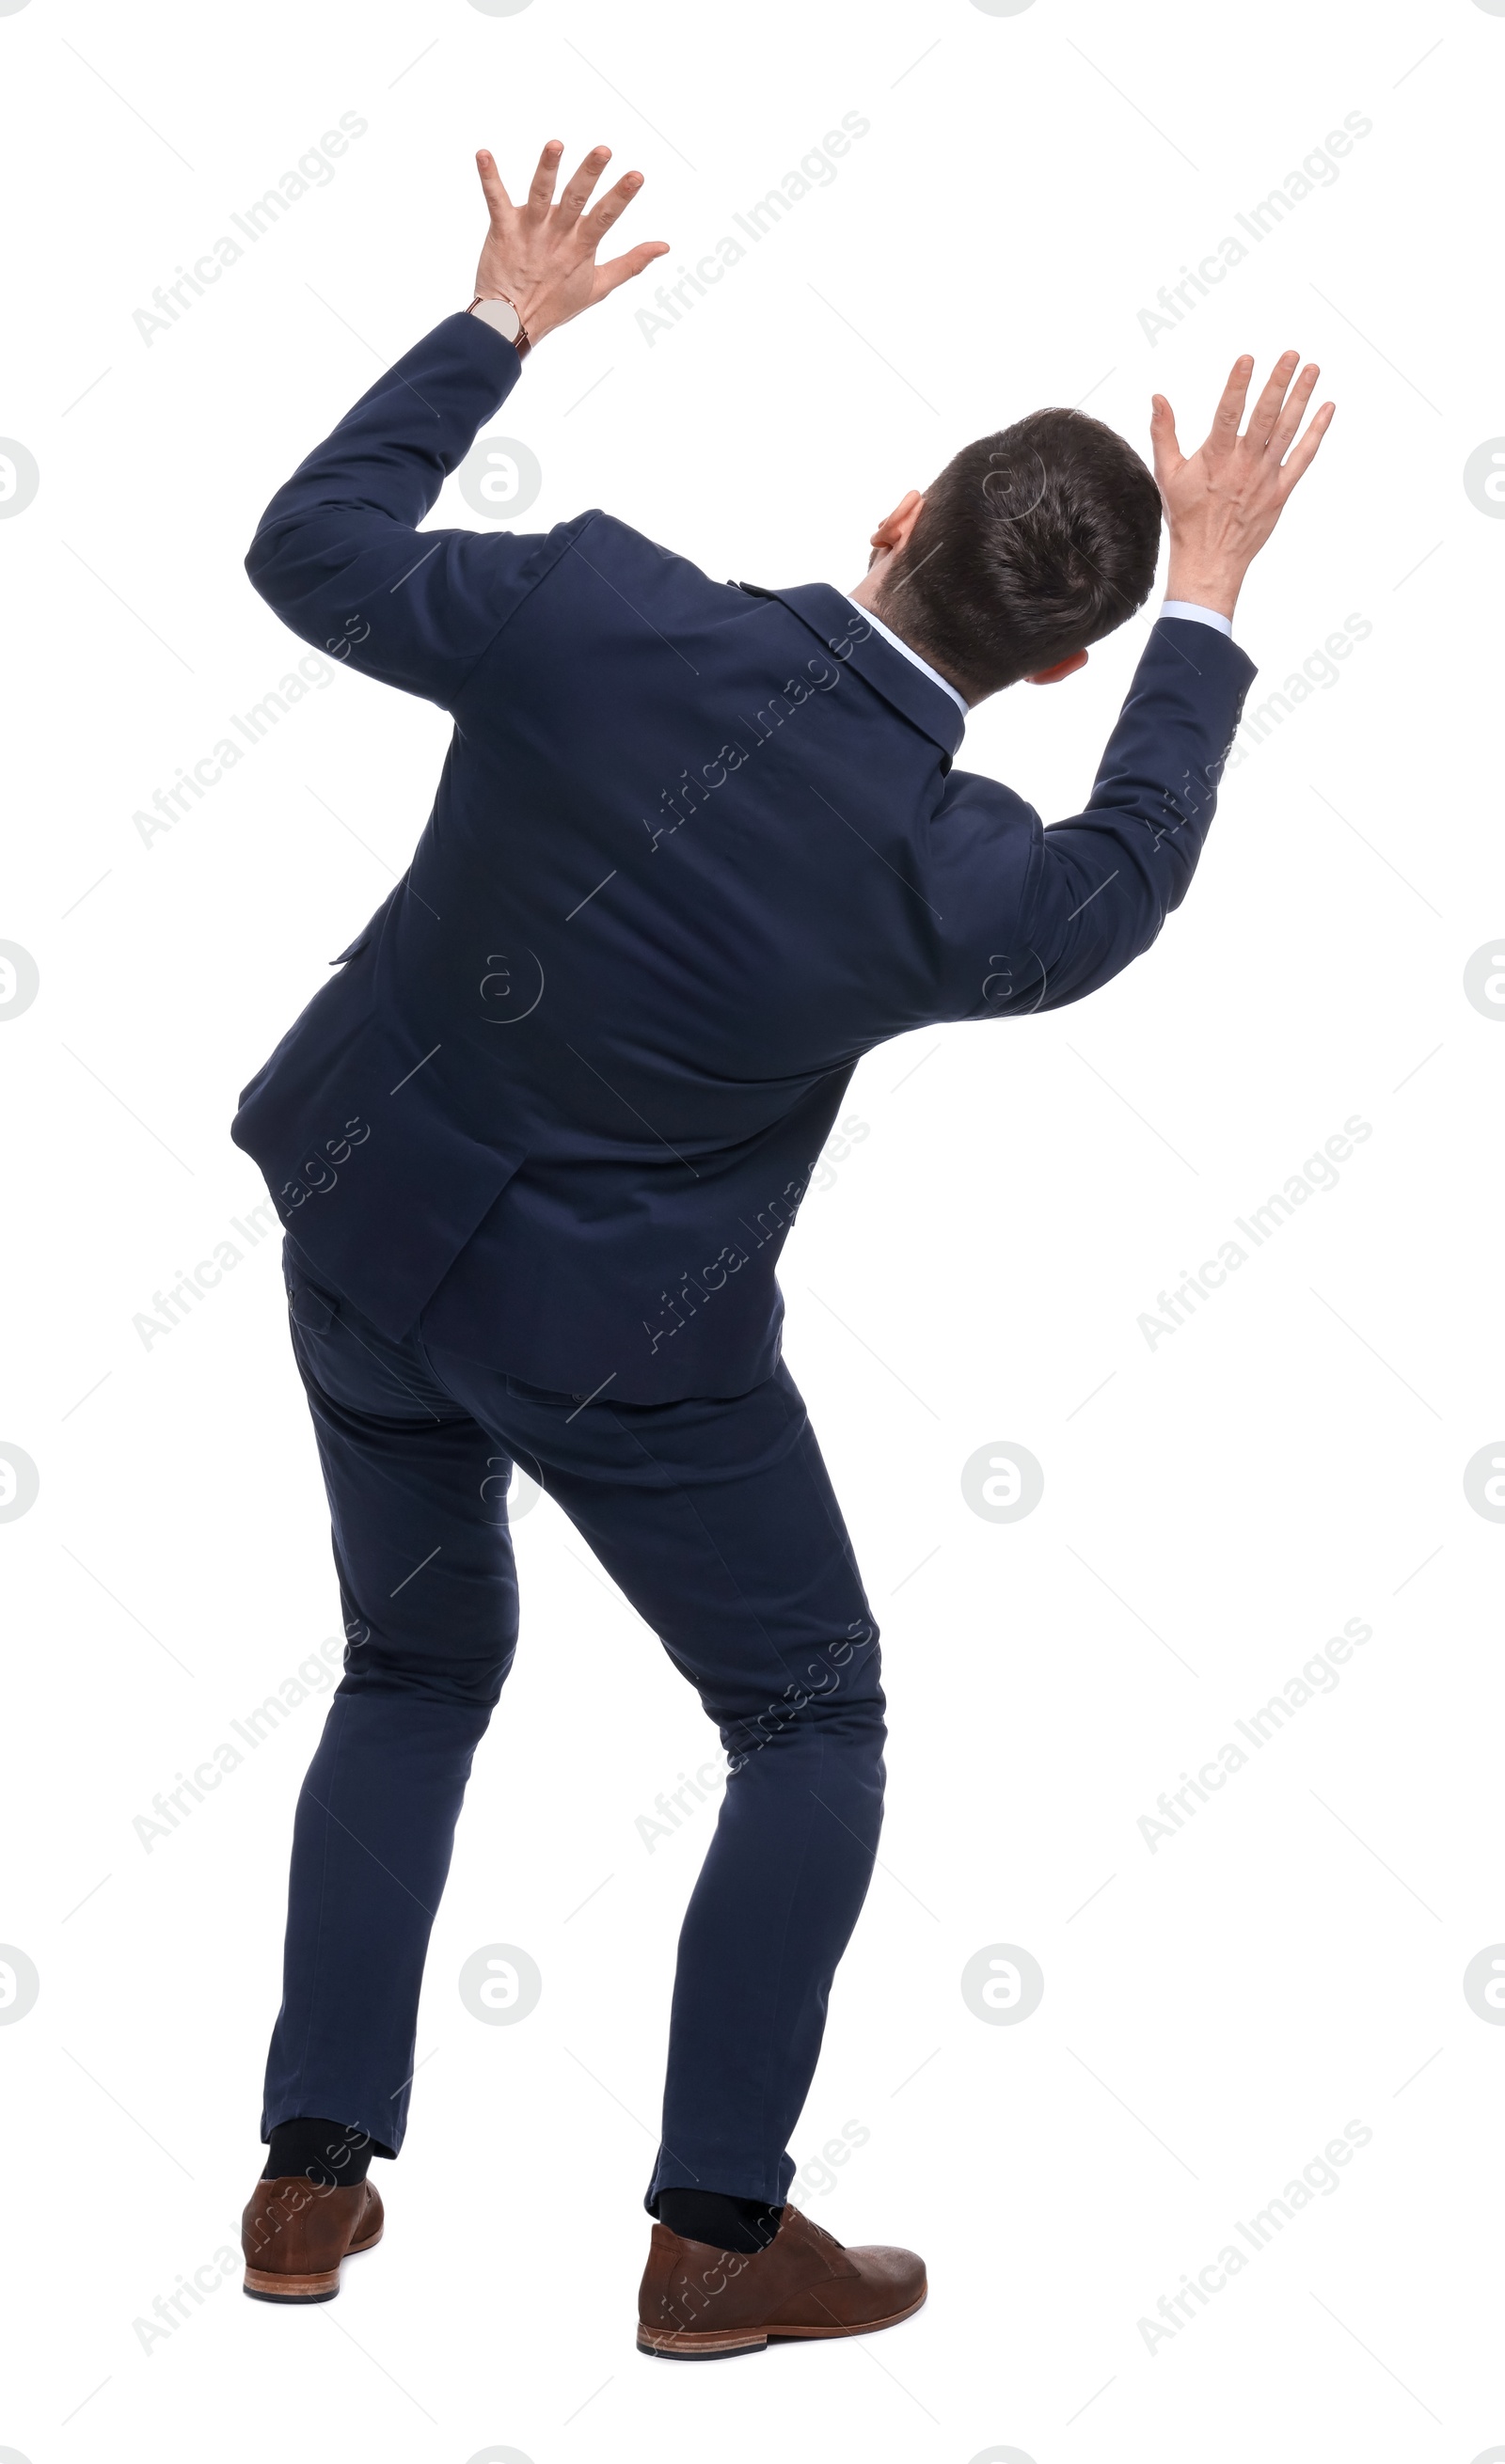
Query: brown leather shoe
{"points": [[697, 2303], [295, 2234]]}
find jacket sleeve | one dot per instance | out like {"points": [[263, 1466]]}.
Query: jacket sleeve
{"points": [[1099, 887], [337, 553]]}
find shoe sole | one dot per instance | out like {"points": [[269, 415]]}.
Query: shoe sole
{"points": [[720, 2343], [261, 2285]]}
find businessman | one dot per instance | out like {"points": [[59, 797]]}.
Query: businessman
{"points": [[696, 847]]}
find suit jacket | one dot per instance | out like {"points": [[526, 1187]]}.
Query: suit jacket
{"points": [[696, 848]]}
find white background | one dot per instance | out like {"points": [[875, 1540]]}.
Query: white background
{"points": [[1215, 2012]]}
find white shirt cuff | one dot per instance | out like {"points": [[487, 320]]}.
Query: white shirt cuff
{"points": [[1189, 609]]}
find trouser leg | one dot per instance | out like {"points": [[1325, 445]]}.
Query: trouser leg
{"points": [[771, 1913], [717, 1520], [430, 1601], [371, 1845]]}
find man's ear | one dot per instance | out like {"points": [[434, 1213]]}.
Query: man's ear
{"points": [[1062, 668], [893, 532]]}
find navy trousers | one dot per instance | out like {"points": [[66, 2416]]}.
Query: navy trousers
{"points": [[717, 1520]]}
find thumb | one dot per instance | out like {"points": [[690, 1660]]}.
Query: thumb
{"points": [[1165, 444], [623, 268]]}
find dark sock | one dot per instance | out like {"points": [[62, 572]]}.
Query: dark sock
{"points": [[713, 2217], [329, 2153]]}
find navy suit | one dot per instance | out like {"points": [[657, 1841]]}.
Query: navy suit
{"points": [[696, 847]]}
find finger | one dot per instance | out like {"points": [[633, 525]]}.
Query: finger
{"points": [[623, 268], [1230, 403], [601, 217], [1303, 453], [1163, 445], [541, 194], [581, 182], [1295, 409], [495, 194], [1266, 409]]}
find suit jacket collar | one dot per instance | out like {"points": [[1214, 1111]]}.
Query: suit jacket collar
{"points": [[844, 631]]}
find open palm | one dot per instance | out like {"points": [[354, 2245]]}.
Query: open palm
{"points": [[542, 256], [1223, 501]]}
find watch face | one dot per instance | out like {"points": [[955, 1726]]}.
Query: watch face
{"points": [[500, 314]]}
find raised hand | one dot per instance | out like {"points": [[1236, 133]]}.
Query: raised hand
{"points": [[1223, 501], [542, 256]]}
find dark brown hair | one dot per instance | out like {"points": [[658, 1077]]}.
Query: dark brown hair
{"points": [[1031, 546]]}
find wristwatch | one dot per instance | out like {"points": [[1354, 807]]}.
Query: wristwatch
{"points": [[500, 315]]}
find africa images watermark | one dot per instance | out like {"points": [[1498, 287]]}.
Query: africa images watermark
{"points": [[169, 1309], [1318, 673], [795, 693], [774, 1220], [1318, 1676], [847, 1135], [1319, 170], [673, 1808], [1320, 2177], [1319, 1172], [815, 2176], [171, 2309], [314, 169], [172, 804], [171, 1807], [817, 170]]}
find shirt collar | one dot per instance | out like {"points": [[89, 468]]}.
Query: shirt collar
{"points": [[903, 648]]}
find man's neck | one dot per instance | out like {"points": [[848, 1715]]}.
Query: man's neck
{"points": [[865, 596]]}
